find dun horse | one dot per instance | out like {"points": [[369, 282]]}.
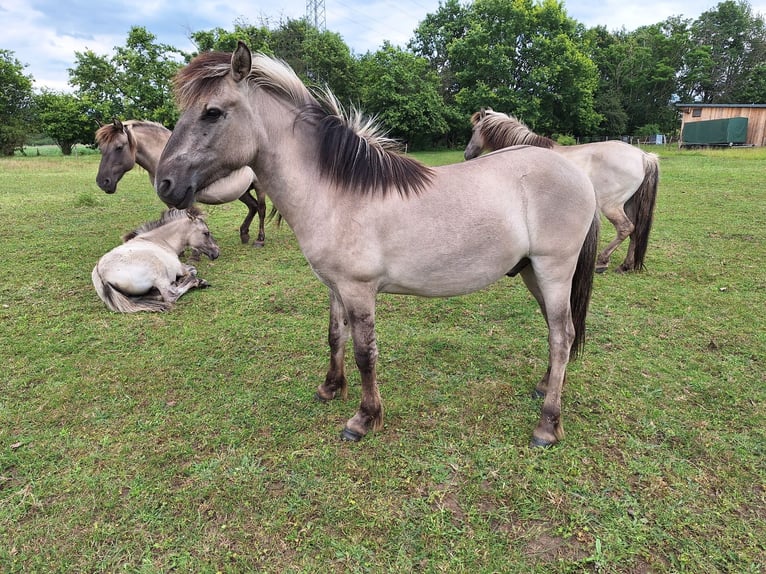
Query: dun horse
{"points": [[370, 220], [125, 144], [624, 177], [145, 273]]}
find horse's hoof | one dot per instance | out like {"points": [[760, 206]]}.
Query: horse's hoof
{"points": [[202, 284], [348, 435], [320, 399], [540, 443], [258, 244], [601, 269], [245, 239]]}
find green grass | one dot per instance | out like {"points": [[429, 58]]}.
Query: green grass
{"points": [[190, 442]]}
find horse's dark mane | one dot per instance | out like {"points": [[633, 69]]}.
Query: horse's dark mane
{"points": [[107, 133], [501, 130], [354, 153], [167, 216]]}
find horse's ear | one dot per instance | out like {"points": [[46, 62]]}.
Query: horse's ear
{"points": [[118, 124], [241, 62]]}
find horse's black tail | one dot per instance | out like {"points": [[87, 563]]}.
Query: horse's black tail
{"points": [[120, 303], [640, 209], [582, 284]]}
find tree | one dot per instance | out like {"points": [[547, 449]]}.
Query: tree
{"points": [[135, 83], [728, 46], [16, 99], [433, 37], [257, 38], [65, 118], [403, 92], [318, 57], [527, 58], [638, 74]]}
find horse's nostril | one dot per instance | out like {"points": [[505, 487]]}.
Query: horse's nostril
{"points": [[163, 186]]}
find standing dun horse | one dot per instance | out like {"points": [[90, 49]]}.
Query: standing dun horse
{"points": [[125, 144], [370, 220], [624, 177], [145, 273]]}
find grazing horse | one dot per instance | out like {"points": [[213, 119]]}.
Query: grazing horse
{"points": [[125, 144], [371, 220], [624, 177], [145, 273]]}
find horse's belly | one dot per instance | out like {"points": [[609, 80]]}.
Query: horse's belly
{"points": [[132, 280], [136, 272]]}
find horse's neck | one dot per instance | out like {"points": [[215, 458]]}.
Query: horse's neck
{"points": [[172, 236], [286, 167], [149, 148]]}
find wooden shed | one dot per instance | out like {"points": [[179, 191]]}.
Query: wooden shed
{"points": [[755, 114]]}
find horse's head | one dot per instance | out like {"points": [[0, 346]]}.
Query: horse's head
{"points": [[476, 145], [118, 154], [200, 239], [213, 137]]}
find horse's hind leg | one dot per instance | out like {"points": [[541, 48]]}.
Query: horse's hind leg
{"points": [[553, 297], [253, 206], [623, 225], [337, 337], [629, 264]]}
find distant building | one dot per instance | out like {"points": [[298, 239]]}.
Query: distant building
{"points": [[717, 129]]}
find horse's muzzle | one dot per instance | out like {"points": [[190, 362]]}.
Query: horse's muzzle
{"points": [[175, 196]]}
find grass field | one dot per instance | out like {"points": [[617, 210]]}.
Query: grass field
{"points": [[190, 442]]}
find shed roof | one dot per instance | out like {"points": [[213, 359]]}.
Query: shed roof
{"points": [[698, 105]]}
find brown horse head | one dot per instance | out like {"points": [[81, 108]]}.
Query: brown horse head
{"points": [[118, 154]]}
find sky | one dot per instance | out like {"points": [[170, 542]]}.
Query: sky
{"points": [[44, 35]]}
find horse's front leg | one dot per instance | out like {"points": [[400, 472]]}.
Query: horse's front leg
{"points": [[337, 337], [359, 304]]}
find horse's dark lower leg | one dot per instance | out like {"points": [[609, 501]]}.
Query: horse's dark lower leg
{"points": [[252, 209], [338, 333], [550, 428], [370, 414], [261, 219]]}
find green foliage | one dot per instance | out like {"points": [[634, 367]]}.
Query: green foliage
{"points": [[525, 57], [190, 441], [136, 82], [400, 89], [522, 57], [728, 44], [65, 118], [16, 98]]}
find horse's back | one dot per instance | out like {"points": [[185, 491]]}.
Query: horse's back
{"points": [[616, 168]]}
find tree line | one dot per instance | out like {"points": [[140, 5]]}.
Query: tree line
{"points": [[524, 57]]}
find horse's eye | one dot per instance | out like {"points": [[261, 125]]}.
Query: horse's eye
{"points": [[213, 114]]}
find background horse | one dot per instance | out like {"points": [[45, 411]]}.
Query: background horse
{"points": [[145, 273], [624, 177], [369, 220], [124, 144]]}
